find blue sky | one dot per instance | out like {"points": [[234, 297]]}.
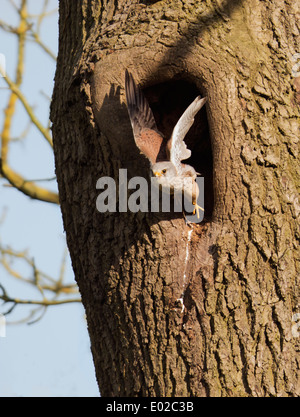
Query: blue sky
{"points": [[51, 357]]}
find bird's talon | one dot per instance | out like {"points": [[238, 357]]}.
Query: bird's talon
{"points": [[196, 210]]}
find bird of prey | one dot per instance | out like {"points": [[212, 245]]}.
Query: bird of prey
{"points": [[165, 157]]}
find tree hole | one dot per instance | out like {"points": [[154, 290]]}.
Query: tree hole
{"points": [[168, 101]]}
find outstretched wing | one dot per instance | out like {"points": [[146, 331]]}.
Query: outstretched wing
{"points": [[145, 132], [176, 147]]}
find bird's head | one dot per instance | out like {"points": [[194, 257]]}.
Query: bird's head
{"points": [[164, 169]]}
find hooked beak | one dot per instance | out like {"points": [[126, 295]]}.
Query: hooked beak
{"points": [[158, 174]]}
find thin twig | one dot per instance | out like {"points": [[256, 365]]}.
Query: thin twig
{"points": [[15, 89], [27, 188]]}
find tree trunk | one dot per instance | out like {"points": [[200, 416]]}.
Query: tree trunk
{"points": [[176, 310]]}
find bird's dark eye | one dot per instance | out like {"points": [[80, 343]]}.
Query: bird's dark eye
{"points": [[164, 171]]}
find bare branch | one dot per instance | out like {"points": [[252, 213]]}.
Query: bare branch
{"points": [[7, 255], [39, 280], [15, 179], [26, 187], [15, 89], [51, 290]]}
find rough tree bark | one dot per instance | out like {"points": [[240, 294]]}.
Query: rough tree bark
{"points": [[237, 271]]}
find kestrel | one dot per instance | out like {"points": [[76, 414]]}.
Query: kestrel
{"points": [[165, 157]]}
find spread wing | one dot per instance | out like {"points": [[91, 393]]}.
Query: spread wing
{"points": [[145, 132], [176, 147]]}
